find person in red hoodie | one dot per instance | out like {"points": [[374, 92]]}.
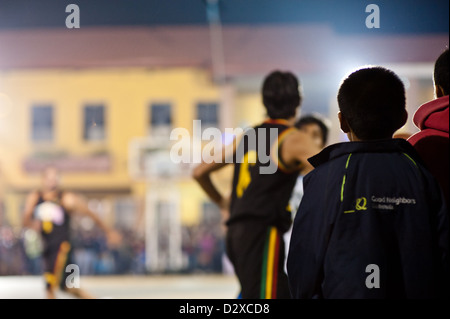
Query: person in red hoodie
{"points": [[432, 118]]}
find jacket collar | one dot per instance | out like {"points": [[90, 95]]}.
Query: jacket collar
{"points": [[395, 145], [432, 114]]}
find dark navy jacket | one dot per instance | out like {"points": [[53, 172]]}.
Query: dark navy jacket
{"points": [[372, 224]]}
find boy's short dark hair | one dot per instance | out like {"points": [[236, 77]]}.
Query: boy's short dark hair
{"points": [[441, 72], [313, 119], [281, 94], [373, 102]]}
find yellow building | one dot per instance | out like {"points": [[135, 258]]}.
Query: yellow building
{"points": [[83, 121]]}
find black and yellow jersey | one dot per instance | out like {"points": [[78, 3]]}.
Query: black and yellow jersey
{"points": [[55, 230], [55, 220], [262, 184]]}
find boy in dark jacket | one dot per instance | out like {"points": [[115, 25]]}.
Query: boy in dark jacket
{"points": [[372, 222]]}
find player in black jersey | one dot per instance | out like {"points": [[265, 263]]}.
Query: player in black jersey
{"points": [[49, 210], [267, 161]]}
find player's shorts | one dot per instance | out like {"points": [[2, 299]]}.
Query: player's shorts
{"points": [[257, 254], [56, 260]]}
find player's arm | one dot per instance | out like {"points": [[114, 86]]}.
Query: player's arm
{"points": [[296, 148], [77, 204], [202, 174], [30, 203]]}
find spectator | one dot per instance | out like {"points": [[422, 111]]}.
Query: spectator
{"points": [[432, 118], [370, 204]]}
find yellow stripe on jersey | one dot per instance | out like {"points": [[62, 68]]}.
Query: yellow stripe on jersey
{"points": [[270, 262], [275, 151], [245, 178]]}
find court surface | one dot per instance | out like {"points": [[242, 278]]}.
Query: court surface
{"points": [[130, 287]]}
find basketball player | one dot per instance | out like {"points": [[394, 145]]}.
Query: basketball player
{"points": [[259, 208], [49, 210]]}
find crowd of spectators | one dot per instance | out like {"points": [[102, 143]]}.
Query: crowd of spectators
{"points": [[21, 249]]}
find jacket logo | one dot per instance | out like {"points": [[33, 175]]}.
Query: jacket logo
{"points": [[361, 204]]}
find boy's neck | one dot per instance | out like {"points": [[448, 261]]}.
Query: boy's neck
{"points": [[352, 137]]}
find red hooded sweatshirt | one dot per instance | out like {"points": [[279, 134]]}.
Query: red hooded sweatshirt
{"points": [[432, 142]]}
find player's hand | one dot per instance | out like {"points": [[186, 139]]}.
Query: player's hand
{"points": [[36, 225], [224, 206], [225, 203]]}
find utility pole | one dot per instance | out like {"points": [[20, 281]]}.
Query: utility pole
{"points": [[216, 40], [218, 64]]}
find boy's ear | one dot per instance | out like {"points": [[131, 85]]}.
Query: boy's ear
{"points": [[343, 123]]}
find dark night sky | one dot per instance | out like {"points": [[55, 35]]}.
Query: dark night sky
{"points": [[345, 16]]}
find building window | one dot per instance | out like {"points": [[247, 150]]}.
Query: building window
{"points": [[94, 123], [42, 123], [160, 119], [208, 114]]}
